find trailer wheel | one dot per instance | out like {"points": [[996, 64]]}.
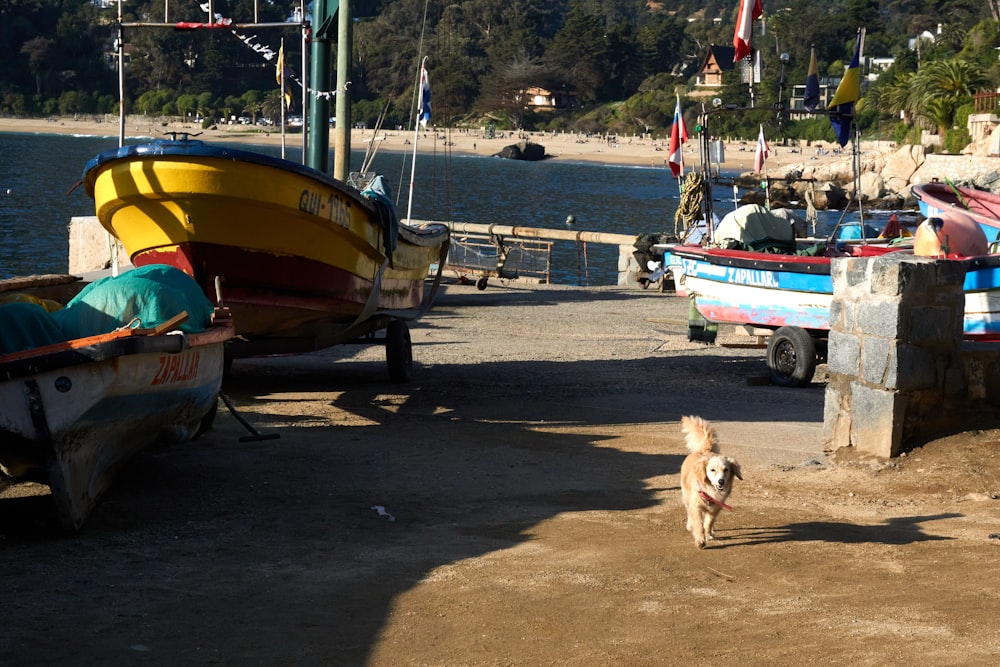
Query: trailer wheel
{"points": [[398, 351], [791, 357], [482, 283]]}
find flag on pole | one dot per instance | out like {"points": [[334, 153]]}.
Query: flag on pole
{"points": [[763, 151], [750, 11], [848, 92], [425, 97], [279, 70], [678, 136], [811, 98], [281, 76]]}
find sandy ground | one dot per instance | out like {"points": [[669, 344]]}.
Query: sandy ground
{"points": [[530, 470], [634, 151]]}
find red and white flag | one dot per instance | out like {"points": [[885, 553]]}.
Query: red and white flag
{"points": [[678, 137], [763, 151], [750, 11]]}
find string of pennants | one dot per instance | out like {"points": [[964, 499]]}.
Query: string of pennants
{"points": [[265, 51]]}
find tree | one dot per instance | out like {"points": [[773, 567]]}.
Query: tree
{"points": [[579, 53], [506, 86], [206, 105], [38, 52], [942, 85], [251, 102], [933, 92], [186, 105]]}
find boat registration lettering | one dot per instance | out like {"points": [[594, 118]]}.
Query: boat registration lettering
{"points": [[693, 267], [752, 277], [332, 207], [177, 368]]}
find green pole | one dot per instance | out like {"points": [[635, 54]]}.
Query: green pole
{"points": [[318, 141], [345, 45]]}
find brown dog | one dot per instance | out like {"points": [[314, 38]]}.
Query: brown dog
{"points": [[706, 479]]}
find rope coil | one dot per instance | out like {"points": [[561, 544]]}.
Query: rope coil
{"points": [[690, 208]]}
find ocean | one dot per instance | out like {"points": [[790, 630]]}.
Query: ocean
{"points": [[38, 174]]}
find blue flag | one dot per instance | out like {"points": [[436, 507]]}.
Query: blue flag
{"points": [[848, 92], [811, 98], [425, 98]]}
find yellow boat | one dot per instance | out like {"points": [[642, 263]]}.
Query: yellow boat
{"points": [[302, 260]]}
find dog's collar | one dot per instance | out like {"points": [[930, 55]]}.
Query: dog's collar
{"points": [[712, 500]]}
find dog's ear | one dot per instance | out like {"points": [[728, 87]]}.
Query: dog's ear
{"points": [[736, 468]]}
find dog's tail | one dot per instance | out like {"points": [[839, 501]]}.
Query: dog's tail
{"points": [[699, 435]]}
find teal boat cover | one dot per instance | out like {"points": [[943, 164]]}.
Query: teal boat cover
{"points": [[144, 297], [379, 194]]}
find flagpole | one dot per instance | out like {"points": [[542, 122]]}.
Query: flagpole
{"points": [[678, 136], [767, 188], [416, 136], [281, 101]]}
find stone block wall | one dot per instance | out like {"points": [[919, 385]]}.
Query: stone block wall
{"points": [[898, 369]]}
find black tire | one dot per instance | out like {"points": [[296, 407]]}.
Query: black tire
{"points": [[791, 357], [482, 283], [398, 351]]}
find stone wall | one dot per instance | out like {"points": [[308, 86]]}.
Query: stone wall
{"points": [[899, 372]]}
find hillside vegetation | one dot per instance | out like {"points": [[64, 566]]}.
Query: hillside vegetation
{"points": [[614, 65]]}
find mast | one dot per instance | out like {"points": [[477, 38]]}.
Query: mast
{"points": [[318, 145], [120, 45], [345, 43], [319, 112]]}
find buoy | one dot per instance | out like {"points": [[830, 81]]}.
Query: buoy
{"points": [[570, 219], [950, 235]]}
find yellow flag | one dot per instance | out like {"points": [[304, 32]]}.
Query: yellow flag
{"points": [[281, 64]]}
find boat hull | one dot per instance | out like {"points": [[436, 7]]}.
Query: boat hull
{"points": [[982, 299], [288, 246], [936, 199], [74, 413], [772, 291], [758, 289]]}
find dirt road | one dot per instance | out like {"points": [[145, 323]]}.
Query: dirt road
{"points": [[530, 515]]}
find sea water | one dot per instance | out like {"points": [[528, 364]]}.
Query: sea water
{"points": [[39, 174]]}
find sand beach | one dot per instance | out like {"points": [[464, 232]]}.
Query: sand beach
{"points": [[633, 150]]}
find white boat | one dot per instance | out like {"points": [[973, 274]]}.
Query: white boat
{"points": [[73, 411]]}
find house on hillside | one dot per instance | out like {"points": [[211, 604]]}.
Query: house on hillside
{"points": [[797, 109], [717, 60], [926, 37], [540, 99], [111, 57]]}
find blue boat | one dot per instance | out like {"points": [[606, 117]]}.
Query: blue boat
{"points": [[789, 295], [935, 199]]}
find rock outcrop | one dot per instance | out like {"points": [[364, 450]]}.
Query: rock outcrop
{"points": [[524, 150], [885, 178]]}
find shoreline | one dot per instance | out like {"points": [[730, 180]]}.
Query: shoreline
{"points": [[630, 151]]}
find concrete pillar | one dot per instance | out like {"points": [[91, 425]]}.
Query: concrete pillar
{"points": [[90, 246], [894, 349]]}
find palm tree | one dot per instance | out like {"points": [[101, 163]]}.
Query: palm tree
{"points": [[940, 86], [271, 106], [895, 97]]}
